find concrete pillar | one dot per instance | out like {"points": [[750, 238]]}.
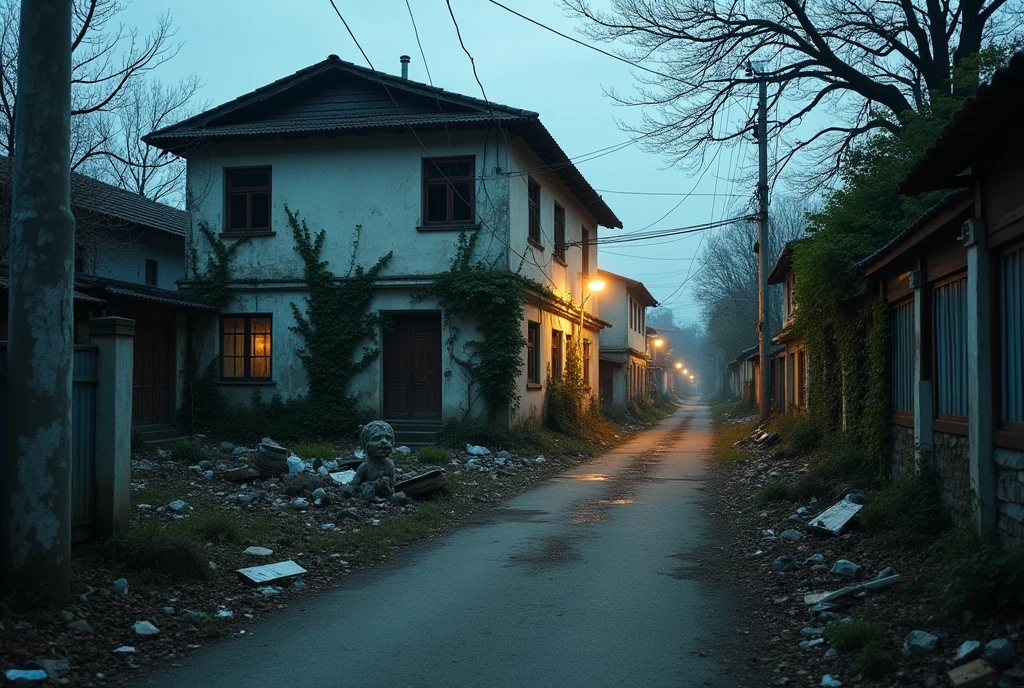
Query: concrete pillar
{"points": [[923, 410], [114, 338], [979, 377]]}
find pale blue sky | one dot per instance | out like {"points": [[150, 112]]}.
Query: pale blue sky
{"points": [[238, 46]]}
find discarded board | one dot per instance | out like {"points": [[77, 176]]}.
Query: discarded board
{"points": [[973, 675], [346, 464], [815, 598], [241, 475], [835, 519], [271, 572], [422, 485], [343, 477]]}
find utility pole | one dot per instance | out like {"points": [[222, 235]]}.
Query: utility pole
{"points": [[35, 501], [763, 343]]}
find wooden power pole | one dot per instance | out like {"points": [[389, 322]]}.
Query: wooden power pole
{"points": [[35, 500], [763, 335]]}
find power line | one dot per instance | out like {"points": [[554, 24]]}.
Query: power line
{"points": [[665, 193], [592, 47]]}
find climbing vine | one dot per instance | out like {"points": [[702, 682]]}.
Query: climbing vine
{"points": [[337, 320], [569, 399], [213, 280], [494, 299]]}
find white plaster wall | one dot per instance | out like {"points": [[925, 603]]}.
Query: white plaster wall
{"points": [[615, 309], [127, 262], [339, 184]]}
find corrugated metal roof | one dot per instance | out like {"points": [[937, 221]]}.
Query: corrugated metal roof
{"points": [[994, 109], [338, 97], [99, 197]]}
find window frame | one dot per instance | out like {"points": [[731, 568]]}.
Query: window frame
{"points": [[532, 354], [557, 353], [156, 272], [558, 215], [1008, 434], [230, 191], [247, 352], [944, 422], [447, 181], [533, 212]]}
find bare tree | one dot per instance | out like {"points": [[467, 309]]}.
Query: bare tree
{"points": [[839, 69], [106, 59], [726, 283], [131, 164]]}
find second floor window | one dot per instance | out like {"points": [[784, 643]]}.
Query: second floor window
{"points": [[534, 200], [448, 187], [151, 272], [533, 353], [560, 231], [556, 354], [247, 200]]}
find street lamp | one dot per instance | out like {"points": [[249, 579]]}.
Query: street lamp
{"points": [[593, 286], [659, 341], [678, 366], [685, 371]]}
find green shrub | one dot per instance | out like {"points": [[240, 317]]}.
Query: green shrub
{"points": [[617, 414], [977, 577], [206, 525], [433, 454], [841, 462], [778, 491], [810, 485], [802, 436], [854, 634], [124, 546], [188, 452], [316, 450], [906, 512], [873, 662]]}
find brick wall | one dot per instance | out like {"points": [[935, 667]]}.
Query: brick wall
{"points": [[951, 455], [1010, 494], [902, 452]]}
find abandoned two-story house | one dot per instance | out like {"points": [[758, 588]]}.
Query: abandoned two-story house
{"points": [[788, 352], [624, 346], [385, 165]]}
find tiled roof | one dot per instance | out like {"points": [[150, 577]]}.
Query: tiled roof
{"points": [[338, 97], [984, 119], [784, 261], [99, 197], [112, 289], [649, 299]]}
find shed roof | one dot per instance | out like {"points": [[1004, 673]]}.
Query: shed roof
{"points": [[335, 97], [637, 286], [984, 118], [112, 201]]}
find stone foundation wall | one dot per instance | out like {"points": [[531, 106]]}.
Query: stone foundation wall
{"points": [[1010, 494], [902, 452], [952, 457]]}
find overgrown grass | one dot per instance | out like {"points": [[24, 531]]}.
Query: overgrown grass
{"points": [[842, 462], [124, 546], [527, 440], [778, 491], [853, 635], [906, 512], [214, 627], [978, 577], [727, 434], [316, 450], [433, 454], [802, 436], [873, 662], [188, 452]]}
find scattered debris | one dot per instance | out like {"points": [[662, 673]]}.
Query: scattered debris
{"points": [[846, 568], [80, 626], [178, 506], [422, 485], [835, 519], [243, 474], [969, 649], [145, 629], [13, 675], [919, 643], [270, 590], [121, 586], [999, 652], [784, 563], [973, 675], [791, 534], [258, 551], [829, 681], [125, 649], [343, 477], [811, 644], [476, 450], [272, 572], [815, 598]]}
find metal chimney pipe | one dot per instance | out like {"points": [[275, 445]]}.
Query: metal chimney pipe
{"points": [[405, 66]]}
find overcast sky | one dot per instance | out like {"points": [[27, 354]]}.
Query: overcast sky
{"points": [[238, 46]]}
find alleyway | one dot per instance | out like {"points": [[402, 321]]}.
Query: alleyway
{"points": [[587, 580]]}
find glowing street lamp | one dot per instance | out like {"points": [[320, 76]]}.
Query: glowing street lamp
{"points": [[659, 341], [679, 366], [685, 371], [593, 286]]}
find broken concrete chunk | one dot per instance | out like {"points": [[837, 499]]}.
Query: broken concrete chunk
{"points": [[885, 573], [13, 675], [973, 675], [258, 551], [503, 454], [791, 534], [829, 681], [998, 653], [178, 506], [80, 626], [835, 519], [120, 586], [343, 477], [814, 559], [969, 649], [846, 568], [404, 450], [145, 629], [54, 668], [918, 643], [477, 450], [270, 590], [125, 649], [811, 644], [784, 563]]}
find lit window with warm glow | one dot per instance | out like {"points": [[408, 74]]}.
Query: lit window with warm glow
{"points": [[245, 347]]}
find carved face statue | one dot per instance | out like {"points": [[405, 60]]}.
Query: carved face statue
{"points": [[377, 439]]}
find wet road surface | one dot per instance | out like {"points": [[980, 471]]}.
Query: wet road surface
{"points": [[587, 580]]}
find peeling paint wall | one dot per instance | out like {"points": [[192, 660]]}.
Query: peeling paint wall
{"points": [[127, 262]]}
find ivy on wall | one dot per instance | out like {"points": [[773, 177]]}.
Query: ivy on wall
{"points": [[495, 300]]}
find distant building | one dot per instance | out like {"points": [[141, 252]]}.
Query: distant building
{"points": [[789, 354], [623, 353]]}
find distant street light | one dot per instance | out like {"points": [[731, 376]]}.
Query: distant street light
{"points": [[686, 372], [659, 341], [679, 365]]}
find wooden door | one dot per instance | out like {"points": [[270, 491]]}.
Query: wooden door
{"points": [[151, 374], [412, 367]]}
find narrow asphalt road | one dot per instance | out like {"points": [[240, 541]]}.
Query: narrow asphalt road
{"points": [[586, 580]]}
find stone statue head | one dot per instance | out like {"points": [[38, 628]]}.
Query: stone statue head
{"points": [[377, 439]]}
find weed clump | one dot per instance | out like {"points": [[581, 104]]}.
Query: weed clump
{"points": [[188, 452], [316, 450], [979, 577], [906, 512], [433, 454], [778, 491]]}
